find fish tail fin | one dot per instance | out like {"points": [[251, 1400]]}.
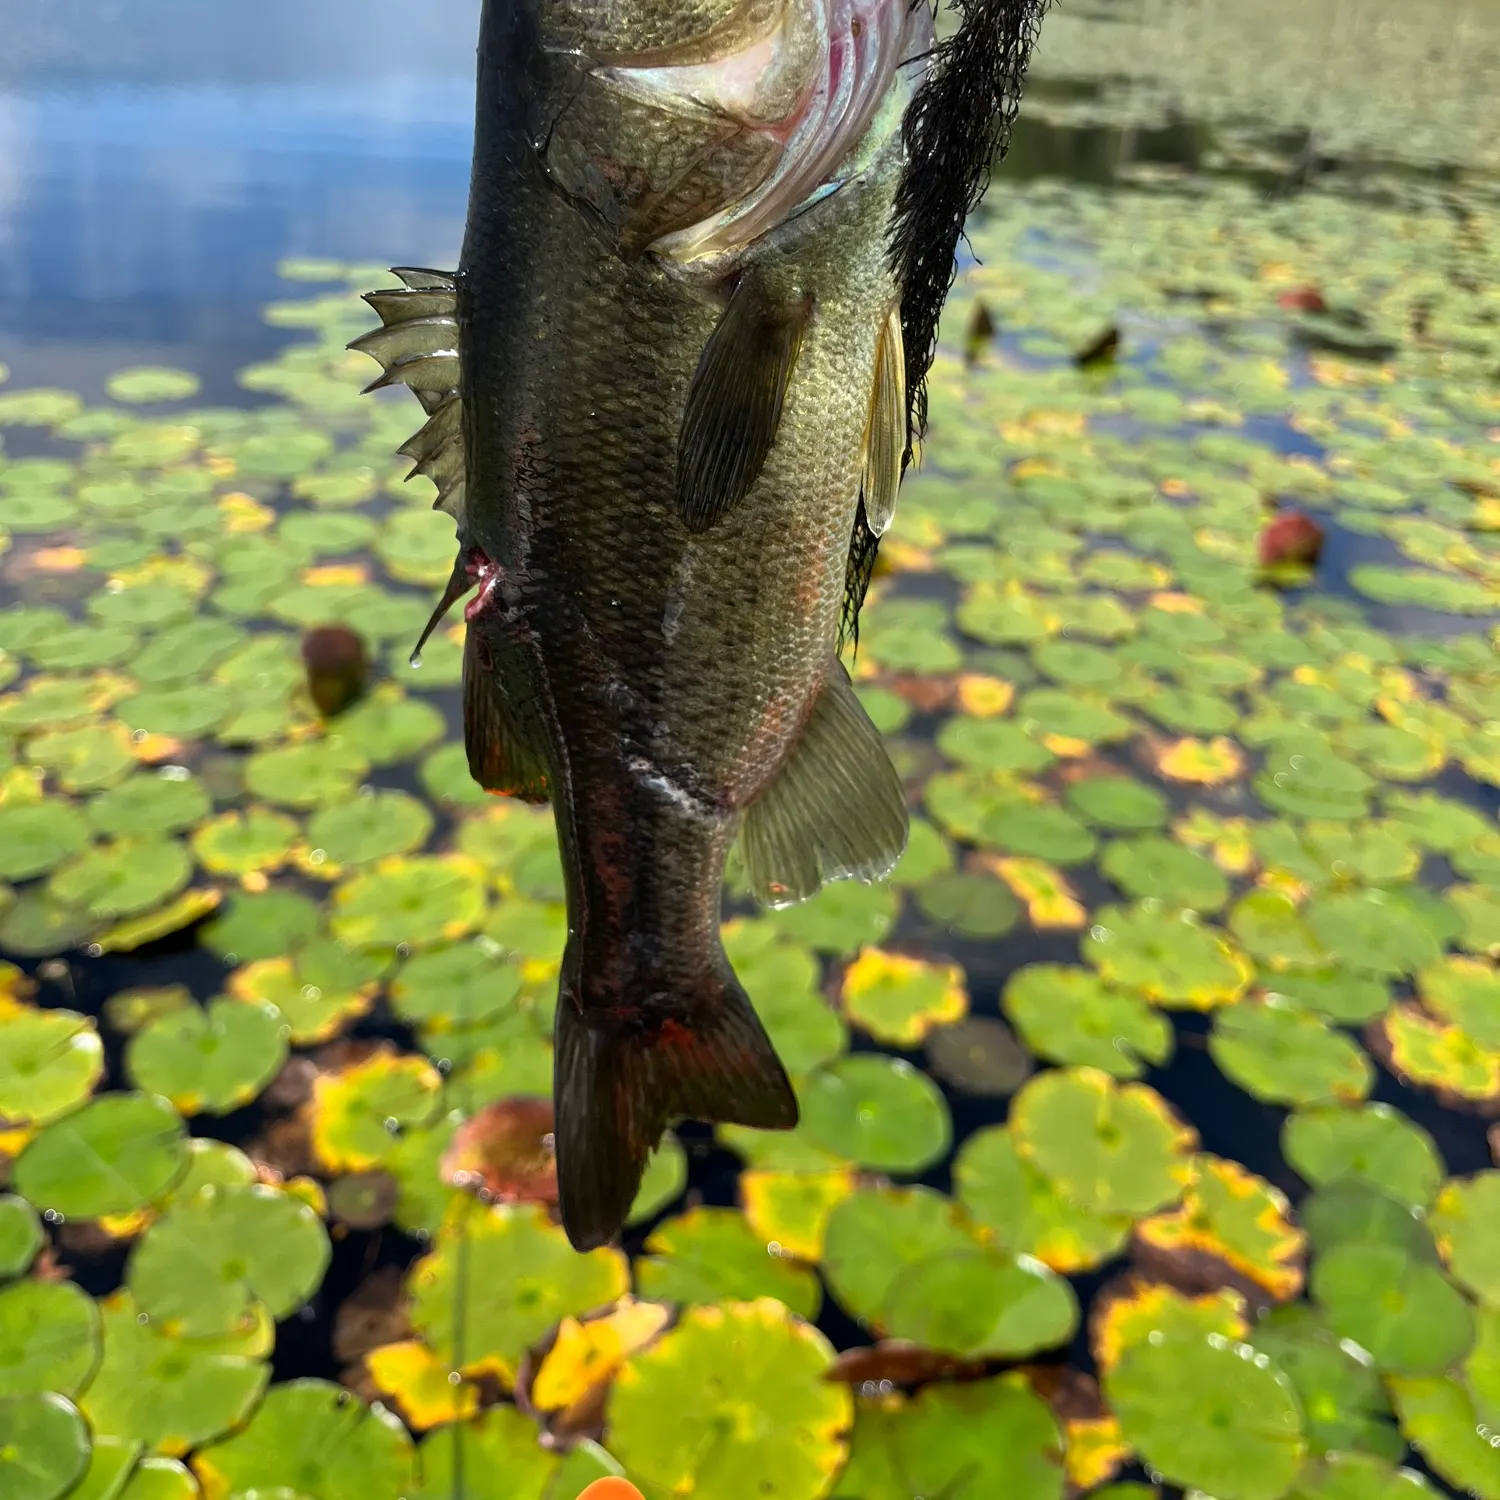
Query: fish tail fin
{"points": [[618, 1086]]}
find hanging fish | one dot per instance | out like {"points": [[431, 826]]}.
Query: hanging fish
{"points": [[670, 396]]}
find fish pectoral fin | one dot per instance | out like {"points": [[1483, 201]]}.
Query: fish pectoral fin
{"points": [[835, 811], [618, 1086], [503, 756], [885, 433], [734, 402]]}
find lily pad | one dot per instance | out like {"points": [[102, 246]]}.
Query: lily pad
{"points": [[389, 727], [459, 985], [44, 1444], [262, 926], [210, 1059], [198, 1266], [37, 838], [842, 917], [169, 1392], [122, 879], [1069, 1015], [899, 999], [494, 1457], [311, 1437], [1351, 1210], [21, 1235], [49, 1338], [1374, 932], [1371, 1142], [1438, 1415], [1206, 1413], [712, 1255], [1167, 957], [187, 712], [1154, 867], [1283, 1055], [1109, 1148], [1465, 991], [149, 802], [50, 1061], [877, 1112], [533, 1278], [1343, 997], [357, 1113], [307, 775], [1403, 1311], [1466, 1222], [972, 905], [416, 900], [116, 1154], [370, 827], [753, 1375], [145, 384], [1118, 802], [86, 758], [874, 1238], [1025, 1213], [979, 1056]]}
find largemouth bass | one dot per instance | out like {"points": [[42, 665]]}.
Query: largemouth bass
{"points": [[669, 392]]}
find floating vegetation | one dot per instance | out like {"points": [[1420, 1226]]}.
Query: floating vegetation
{"points": [[1185, 639]]}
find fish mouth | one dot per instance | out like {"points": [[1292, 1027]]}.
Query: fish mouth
{"points": [[486, 574]]}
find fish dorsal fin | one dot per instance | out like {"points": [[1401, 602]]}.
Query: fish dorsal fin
{"points": [[502, 754], [417, 345], [885, 434], [836, 809], [734, 402]]}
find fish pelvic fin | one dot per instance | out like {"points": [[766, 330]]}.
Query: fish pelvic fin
{"points": [[735, 400], [417, 345], [618, 1083], [836, 809], [503, 755]]}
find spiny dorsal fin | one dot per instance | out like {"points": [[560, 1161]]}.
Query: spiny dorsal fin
{"points": [[734, 402], [417, 345], [836, 809], [885, 435], [502, 757]]}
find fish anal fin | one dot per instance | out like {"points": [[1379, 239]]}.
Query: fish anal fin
{"points": [[835, 810], [885, 432], [622, 1081], [503, 757], [735, 400]]}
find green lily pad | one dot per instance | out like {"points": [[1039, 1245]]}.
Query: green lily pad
{"points": [[972, 905], [1342, 997], [496, 1456], [1465, 991], [994, 1437], [244, 842], [1374, 932], [50, 1060], [49, 1338], [1283, 1055], [877, 1112], [112, 1461], [1436, 822], [315, 534], [199, 1265], [876, 1235], [978, 1056], [1166, 956], [1071, 716], [1109, 1148], [84, 759], [445, 778], [1466, 1222], [1270, 928], [170, 1392], [982, 1304], [783, 983], [416, 546], [187, 712], [1478, 908], [898, 999], [158, 1478], [1422, 586], [1351, 1210], [1118, 802], [21, 1235], [308, 775], [416, 900], [357, 1112], [77, 648], [1040, 831], [1438, 1416], [1205, 1414], [368, 828], [145, 384], [38, 837], [1155, 867], [1403, 1311], [44, 1444], [459, 985], [533, 1276], [116, 1154], [36, 924], [712, 1255], [149, 802], [34, 510], [1341, 1397], [751, 1374], [388, 727], [262, 926], [1069, 1015], [184, 653], [1024, 1211], [122, 879], [842, 917], [143, 607], [311, 1437], [1371, 1142], [214, 1058], [1311, 781]]}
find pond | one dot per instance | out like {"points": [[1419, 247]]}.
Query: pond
{"points": [[1147, 1141]]}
